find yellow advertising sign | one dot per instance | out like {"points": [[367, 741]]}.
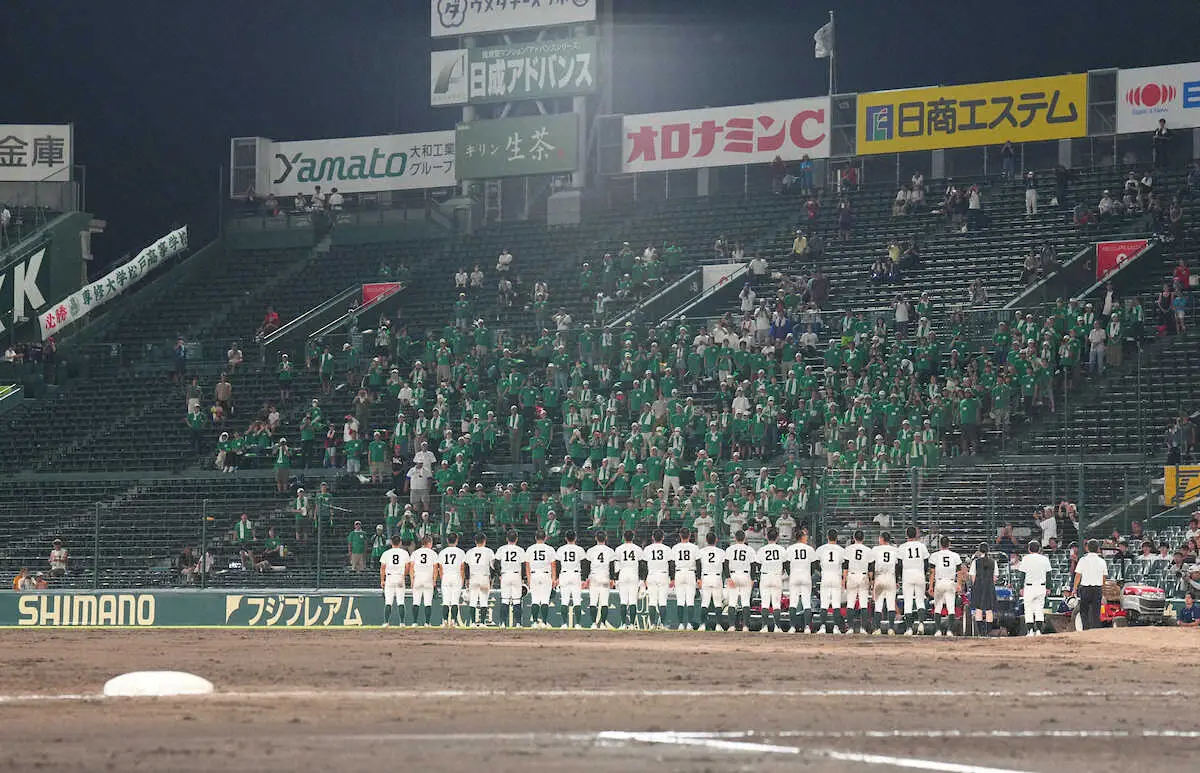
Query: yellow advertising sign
{"points": [[1181, 484], [936, 117]]}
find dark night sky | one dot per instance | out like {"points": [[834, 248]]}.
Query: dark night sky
{"points": [[156, 89]]}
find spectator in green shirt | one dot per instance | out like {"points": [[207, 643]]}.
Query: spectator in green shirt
{"points": [[243, 530], [357, 547]]}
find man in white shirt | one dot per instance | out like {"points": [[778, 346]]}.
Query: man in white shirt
{"points": [[511, 560], [684, 556], [787, 528], [884, 557], [628, 558], [393, 565], [831, 556], [479, 561], [944, 585], [771, 557], [800, 556], [913, 555], [417, 482], [712, 576], [599, 581], [704, 524], [422, 568], [1048, 524], [1035, 566], [540, 576], [739, 557], [570, 566], [858, 589], [452, 571], [658, 579], [1090, 573], [335, 200], [1097, 337]]}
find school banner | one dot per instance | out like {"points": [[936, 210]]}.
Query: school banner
{"points": [[1110, 256], [975, 114], [1146, 94], [539, 144], [95, 294], [544, 69], [450, 18]]}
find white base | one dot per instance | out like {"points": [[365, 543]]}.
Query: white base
{"points": [[156, 683]]}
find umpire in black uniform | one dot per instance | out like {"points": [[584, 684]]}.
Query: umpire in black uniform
{"points": [[983, 590]]}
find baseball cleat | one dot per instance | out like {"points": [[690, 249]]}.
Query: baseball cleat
{"points": [[937, 634], [1029, 633], [388, 625]]}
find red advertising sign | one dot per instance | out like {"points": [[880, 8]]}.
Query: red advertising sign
{"points": [[372, 291], [1112, 255], [725, 136]]}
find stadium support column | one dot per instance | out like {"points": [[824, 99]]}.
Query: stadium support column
{"points": [[579, 105], [468, 116]]}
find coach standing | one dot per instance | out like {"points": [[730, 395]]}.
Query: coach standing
{"points": [[1090, 574]]}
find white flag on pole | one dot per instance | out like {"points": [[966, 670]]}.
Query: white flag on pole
{"points": [[823, 38]]}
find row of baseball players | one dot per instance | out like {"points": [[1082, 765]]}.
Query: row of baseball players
{"points": [[704, 581]]}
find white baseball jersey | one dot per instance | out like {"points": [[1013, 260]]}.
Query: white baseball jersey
{"points": [[787, 528], [394, 561], [511, 559], [479, 563], [685, 555], [913, 556], [800, 556], [832, 556], [770, 558], [599, 557], [704, 524], [884, 557], [570, 557], [1035, 566], [858, 558], [712, 561], [657, 557], [540, 556], [628, 557], [740, 556], [945, 565], [452, 560], [423, 562]]}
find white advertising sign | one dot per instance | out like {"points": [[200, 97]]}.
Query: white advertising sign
{"points": [[363, 164], [727, 136], [471, 17], [91, 296], [1146, 94], [36, 152]]}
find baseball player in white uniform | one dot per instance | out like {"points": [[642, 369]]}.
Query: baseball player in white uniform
{"points": [[628, 558], [1035, 567], [393, 565], [479, 562], [739, 557], [913, 555], [831, 556], [570, 583], [712, 577], [511, 559], [658, 579], [684, 557], [540, 575], [599, 582], [787, 528], [770, 579], [884, 557], [800, 556], [944, 585], [452, 571], [422, 566], [858, 586]]}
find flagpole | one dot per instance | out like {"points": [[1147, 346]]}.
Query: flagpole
{"points": [[832, 54]]}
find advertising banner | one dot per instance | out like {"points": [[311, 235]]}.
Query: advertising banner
{"points": [[540, 144], [975, 114], [471, 17], [33, 153], [389, 162], [1181, 484], [727, 136], [1146, 94], [540, 70], [95, 294], [1112, 255], [373, 290]]}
